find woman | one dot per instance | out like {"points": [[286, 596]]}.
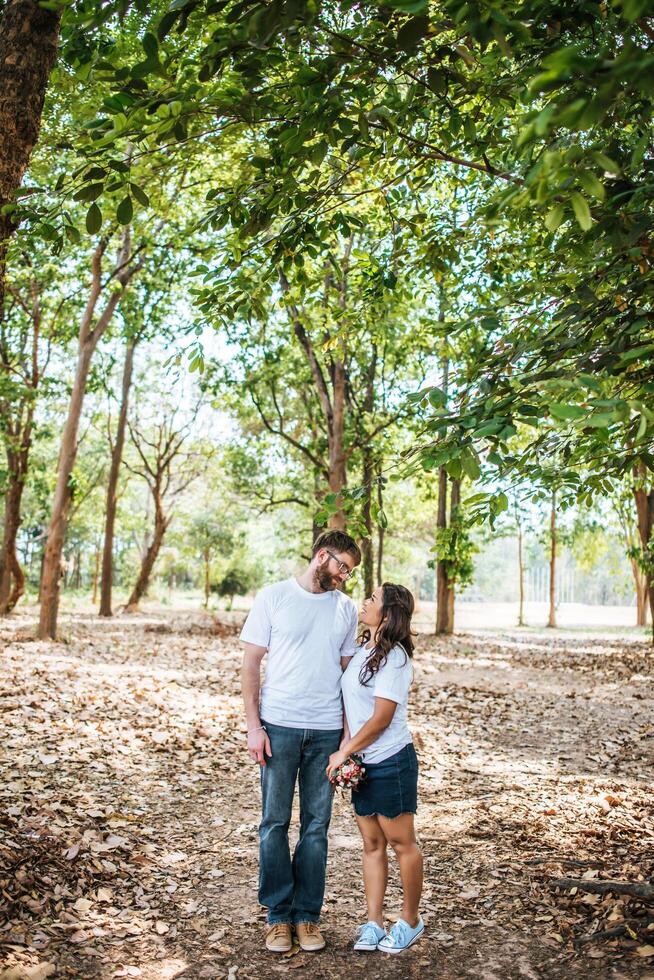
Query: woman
{"points": [[375, 694]]}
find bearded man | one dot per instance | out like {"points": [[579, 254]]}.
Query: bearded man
{"points": [[306, 627]]}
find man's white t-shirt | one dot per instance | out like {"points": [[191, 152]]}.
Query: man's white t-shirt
{"points": [[306, 634], [392, 681]]}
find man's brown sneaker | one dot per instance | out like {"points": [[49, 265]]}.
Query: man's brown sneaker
{"points": [[309, 936], [278, 938]]}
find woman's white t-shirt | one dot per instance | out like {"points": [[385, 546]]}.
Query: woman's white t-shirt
{"points": [[392, 681]]}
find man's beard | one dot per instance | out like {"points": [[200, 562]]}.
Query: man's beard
{"points": [[326, 581]]}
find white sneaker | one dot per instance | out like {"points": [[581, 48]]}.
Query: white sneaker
{"points": [[369, 937], [401, 936]]}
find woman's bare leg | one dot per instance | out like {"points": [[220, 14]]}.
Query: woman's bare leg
{"points": [[375, 867], [400, 834]]}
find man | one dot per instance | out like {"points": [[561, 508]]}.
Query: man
{"points": [[307, 627]]}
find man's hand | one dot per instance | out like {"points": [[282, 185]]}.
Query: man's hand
{"points": [[259, 746]]}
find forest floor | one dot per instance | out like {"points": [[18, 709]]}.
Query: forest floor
{"points": [[129, 808]]}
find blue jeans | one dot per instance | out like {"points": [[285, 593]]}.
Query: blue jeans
{"points": [[293, 891]]}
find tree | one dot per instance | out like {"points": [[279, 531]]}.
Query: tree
{"points": [[644, 496], [168, 468], [92, 328], [28, 48], [210, 538], [144, 314], [25, 346], [623, 504]]}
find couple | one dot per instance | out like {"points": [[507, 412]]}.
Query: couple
{"points": [[323, 698]]}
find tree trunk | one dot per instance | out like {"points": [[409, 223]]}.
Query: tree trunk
{"points": [[521, 579], [51, 576], [28, 49], [143, 581], [337, 465], [641, 594], [207, 581], [88, 340], [380, 532], [551, 621], [96, 574], [455, 499], [367, 558], [442, 596], [645, 511], [12, 579], [112, 485]]}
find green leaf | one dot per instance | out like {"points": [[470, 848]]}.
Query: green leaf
{"points": [[140, 195], [470, 465], [125, 211], [581, 210], [554, 218], [601, 420], [609, 165], [567, 412], [382, 519], [150, 45], [93, 219], [89, 192], [592, 185], [437, 397], [410, 33]]}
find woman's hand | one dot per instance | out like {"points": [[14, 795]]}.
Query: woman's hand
{"points": [[336, 759]]}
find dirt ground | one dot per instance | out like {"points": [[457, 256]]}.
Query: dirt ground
{"points": [[129, 808]]}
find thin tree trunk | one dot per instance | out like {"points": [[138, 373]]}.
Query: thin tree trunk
{"points": [[380, 532], [645, 510], [441, 567], [641, 594], [143, 581], [89, 337], [521, 579], [12, 578], [51, 577], [28, 49], [551, 621], [112, 485], [337, 466], [207, 582], [455, 499], [367, 558], [96, 574]]}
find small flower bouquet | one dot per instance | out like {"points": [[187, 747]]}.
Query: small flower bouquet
{"points": [[349, 775]]}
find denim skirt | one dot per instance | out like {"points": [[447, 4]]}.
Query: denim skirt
{"points": [[390, 787]]}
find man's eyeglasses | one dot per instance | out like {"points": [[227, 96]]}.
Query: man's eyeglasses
{"points": [[342, 567]]}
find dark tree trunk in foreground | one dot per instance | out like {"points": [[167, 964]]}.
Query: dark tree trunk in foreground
{"points": [[112, 485], [28, 50], [551, 620]]}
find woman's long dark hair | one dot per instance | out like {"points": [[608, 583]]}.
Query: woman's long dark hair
{"points": [[395, 628]]}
